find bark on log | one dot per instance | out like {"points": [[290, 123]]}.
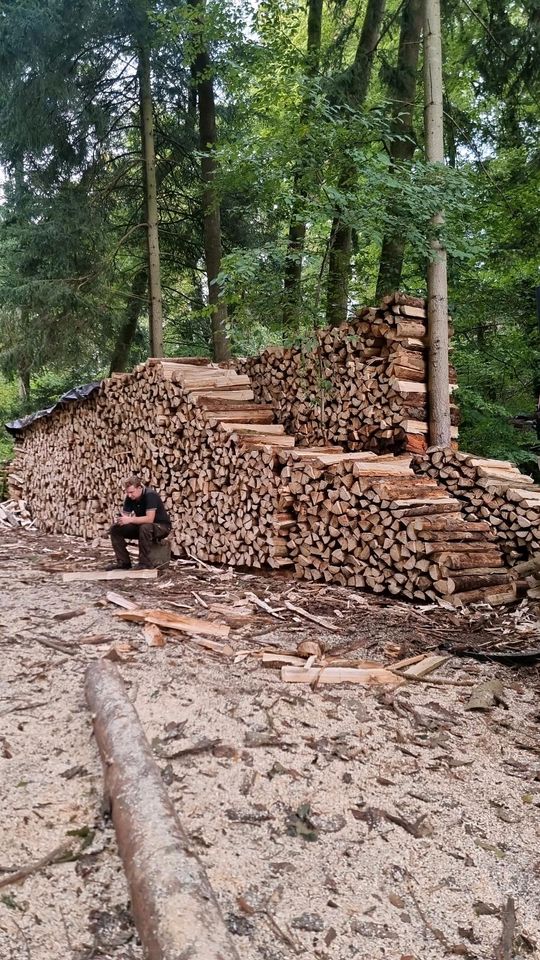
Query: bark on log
{"points": [[174, 906]]}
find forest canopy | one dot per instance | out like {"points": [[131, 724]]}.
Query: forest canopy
{"points": [[250, 172]]}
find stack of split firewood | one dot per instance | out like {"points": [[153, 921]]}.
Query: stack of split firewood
{"points": [[530, 570], [190, 430], [402, 323], [362, 385], [367, 521], [242, 491], [491, 490], [4, 473]]}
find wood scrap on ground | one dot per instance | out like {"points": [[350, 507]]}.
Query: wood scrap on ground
{"points": [[65, 851], [424, 666], [308, 663], [15, 513], [320, 675], [109, 575], [505, 947], [153, 635], [320, 621], [120, 601], [70, 614], [155, 621], [175, 621]]}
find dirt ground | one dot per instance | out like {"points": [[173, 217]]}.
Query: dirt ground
{"points": [[333, 823]]}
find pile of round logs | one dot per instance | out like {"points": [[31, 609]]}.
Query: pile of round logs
{"points": [[362, 385], [368, 521], [491, 490]]}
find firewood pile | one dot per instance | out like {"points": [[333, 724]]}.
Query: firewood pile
{"points": [[492, 490], [368, 521], [193, 432], [4, 472], [530, 570], [362, 384], [243, 491]]}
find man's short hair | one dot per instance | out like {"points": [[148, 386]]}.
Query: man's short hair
{"points": [[133, 482]]}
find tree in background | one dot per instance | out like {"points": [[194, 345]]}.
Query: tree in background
{"points": [[303, 176], [401, 81], [305, 187], [203, 80], [352, 90]]}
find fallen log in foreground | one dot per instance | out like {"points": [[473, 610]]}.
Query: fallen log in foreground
{"points": [[174, 906]]}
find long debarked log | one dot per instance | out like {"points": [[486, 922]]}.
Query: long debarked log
{"points": [[174, 907]]}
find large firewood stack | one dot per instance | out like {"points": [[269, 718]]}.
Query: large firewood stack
{"points": [[361, 385], [243, 491], [193, 432], [492, 490], [368, 521]]}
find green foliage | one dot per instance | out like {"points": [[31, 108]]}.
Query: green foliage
{"points": [[487, 430], [9, 408], [72, 221]]}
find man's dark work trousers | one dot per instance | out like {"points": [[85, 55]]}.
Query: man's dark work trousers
{"points": [[145, 533]]}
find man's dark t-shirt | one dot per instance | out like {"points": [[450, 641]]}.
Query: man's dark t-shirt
{"points": [[150, 500]]}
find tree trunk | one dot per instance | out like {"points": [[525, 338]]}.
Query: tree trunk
{"points": [[297, 228], [357, 84], [120, 357], [438, 385], [24, 383], [339, 262], [402, 89], [151, 206], [201, 72]]}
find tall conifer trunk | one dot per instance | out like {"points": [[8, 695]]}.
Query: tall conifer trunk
{"points": [[340, 242], [128, 328], [438, 382], [402, 89], [292, 279], [151, 205], [201, 72]]}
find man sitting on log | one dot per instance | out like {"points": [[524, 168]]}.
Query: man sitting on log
{"points": [[143, 518]]}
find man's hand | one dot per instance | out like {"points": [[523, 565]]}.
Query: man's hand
{"points": [[123, 519]]}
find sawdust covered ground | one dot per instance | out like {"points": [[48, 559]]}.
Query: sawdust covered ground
{"points": [[336, 823]]}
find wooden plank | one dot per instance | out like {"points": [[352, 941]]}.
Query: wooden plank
{"points": [[419, 426], [221, 394], [247, 438], [175, 621], [266, 428], [310, 616], [322, 675], [82, 575], [413, 386], [121, 601], [425, 666], [279, 659], [223, 648], [407, 662]]}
